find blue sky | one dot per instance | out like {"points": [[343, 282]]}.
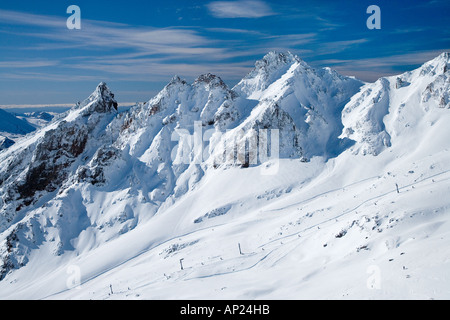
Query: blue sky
{"points": [[137, 46]]}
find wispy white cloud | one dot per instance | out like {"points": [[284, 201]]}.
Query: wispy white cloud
{"points": [[27, 64], [240, 9], [46, 76], [412, 29], [330, 47], [290, 40], [139, 52], [371, 69], [406, 59], [101, 34], [140, 69], [23, 18], [150, 40], [234, 31]]}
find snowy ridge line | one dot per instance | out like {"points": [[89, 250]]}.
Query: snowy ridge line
{"points": [[351, 210]]}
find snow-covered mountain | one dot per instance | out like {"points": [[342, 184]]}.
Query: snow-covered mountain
{"points": [[10, 124], [393, 106], [314, 99], [330, 187], [5, 143], [37, 119], [12, 128]]}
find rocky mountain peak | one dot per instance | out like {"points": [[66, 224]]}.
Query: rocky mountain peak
{"points": [[176, 80], [267, 70], [274, 59], [100, 101], [438, 65], [211, 80]]}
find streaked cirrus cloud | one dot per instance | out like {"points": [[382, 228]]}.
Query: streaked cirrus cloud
{"points": [[240, 9]]}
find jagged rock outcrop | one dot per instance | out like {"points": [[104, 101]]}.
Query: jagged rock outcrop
{"points": [[100, 101], [267, 70]]}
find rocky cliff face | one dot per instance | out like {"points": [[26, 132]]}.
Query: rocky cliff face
{"points": [[36, 169]]}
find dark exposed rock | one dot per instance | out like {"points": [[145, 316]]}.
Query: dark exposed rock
{"points": [[211, 80], [94, 172], [57, 151]]}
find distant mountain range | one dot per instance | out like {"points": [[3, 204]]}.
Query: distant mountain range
{"points": [[9, 123]]}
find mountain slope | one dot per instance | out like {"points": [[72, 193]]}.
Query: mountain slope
{"points": [[10, 124], [5, 143], [393, 106], [12, 128], [35, 169], [349, 209]]}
